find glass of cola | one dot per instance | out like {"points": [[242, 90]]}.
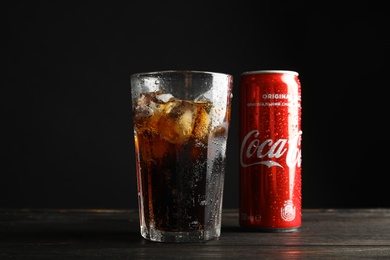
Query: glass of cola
{"points": [[181, 121]]}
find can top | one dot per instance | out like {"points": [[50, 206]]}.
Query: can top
{"points": [[270, 72]]}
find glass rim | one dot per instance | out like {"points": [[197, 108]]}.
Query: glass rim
{"points": [[151, 73]]}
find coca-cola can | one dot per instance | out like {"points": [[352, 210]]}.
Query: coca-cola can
{"points": [[270, 151]]}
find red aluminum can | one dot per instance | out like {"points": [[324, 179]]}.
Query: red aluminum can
{"points": [[270, 150]]}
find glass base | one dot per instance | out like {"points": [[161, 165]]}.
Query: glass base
{"points": [[174, 237]]}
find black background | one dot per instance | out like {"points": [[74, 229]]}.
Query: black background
{"points": [[65, 114]]}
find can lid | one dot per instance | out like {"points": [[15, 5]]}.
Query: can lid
{"points": [[270, 72]]}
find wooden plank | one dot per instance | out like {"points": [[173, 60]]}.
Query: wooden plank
{"points": [[61, 234]]}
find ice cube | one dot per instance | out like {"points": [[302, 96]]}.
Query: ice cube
{"points": [[150, 107], [142, 110], [176, 123], [206, 96], [202, 120], [165, 97]]}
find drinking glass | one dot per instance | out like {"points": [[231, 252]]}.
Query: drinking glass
{"points": [[181, 122]]}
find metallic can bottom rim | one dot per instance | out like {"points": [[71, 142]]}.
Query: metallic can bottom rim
{"points": [[271, 230]]}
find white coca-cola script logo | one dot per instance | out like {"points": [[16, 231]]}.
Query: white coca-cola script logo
{"points": [[255, 150]]}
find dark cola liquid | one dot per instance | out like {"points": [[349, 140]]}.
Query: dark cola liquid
{"points": [[173, 187], [179, 168]]}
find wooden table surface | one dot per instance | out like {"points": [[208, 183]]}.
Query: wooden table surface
{"points": [[114, 234]]}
